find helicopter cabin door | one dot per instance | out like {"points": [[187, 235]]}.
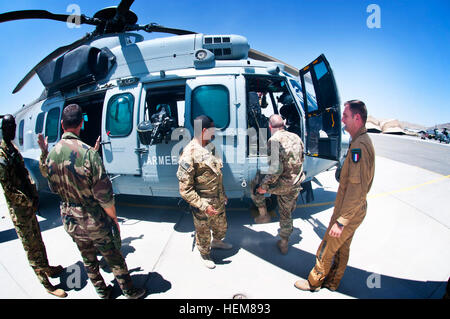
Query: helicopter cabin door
{"points": [[219, 98], [119, 137], [322, 110]]}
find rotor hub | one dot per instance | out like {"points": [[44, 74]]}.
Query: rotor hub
{"points": [[109, 13]]}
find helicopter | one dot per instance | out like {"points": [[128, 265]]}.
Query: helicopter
{"points": [[141, 96]]}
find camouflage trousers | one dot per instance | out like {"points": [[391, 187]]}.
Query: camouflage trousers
{"points": [[28, 230], [204, 225], [92, 236], [287, 202]]}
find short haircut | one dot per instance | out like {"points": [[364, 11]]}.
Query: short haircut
{"points": [[205, 121], [8, 120], [276, 121], [358, 107], [72, 116]]}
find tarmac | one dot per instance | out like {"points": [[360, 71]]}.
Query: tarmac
{"points": [[399, 251]]}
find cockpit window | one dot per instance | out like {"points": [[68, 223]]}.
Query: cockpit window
{"points": [[213, 101]]}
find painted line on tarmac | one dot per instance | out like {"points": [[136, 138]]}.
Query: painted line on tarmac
{"points": [[401, 190], [410, 188]]}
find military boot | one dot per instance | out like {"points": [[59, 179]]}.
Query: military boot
{"points": [[43, 278], [219, 244], [134, 293], [207, 261], [106, 293], [263, 217], [283, 246], [305, 286], [53, 290]]}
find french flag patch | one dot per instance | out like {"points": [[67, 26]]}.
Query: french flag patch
{"points": [[356, 155]]}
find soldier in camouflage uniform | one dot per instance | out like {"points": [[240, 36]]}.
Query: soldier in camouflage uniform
{"points": [[200, 176], [22, 199], [76, 173], [285, 150]]}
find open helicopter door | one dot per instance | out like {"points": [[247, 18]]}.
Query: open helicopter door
{"points": [[221, 98], [119, 137], [322, 110]]}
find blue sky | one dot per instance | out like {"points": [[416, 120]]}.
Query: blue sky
{"points": [[401, 70]]}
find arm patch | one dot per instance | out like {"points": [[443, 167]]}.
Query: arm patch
{"points": [[185, 165], [356, 155]]}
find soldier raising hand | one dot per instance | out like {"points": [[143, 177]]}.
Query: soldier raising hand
{"points": [[76, 173]]}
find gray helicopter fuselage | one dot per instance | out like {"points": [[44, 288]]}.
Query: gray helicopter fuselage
{"points": [[192, 74]]}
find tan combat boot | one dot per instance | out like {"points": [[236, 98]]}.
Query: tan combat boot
{"points": [[219, 244], [263, 217], [304, 285], [207, 261], [283, 246], [43, 278], [53, 290]]}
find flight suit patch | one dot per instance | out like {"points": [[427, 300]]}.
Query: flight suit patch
{"points": [[356, 155]]}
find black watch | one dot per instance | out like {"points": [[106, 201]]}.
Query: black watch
{"points": [[339, 224]]}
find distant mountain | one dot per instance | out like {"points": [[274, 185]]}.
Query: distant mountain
{"points": [[412, 126]]}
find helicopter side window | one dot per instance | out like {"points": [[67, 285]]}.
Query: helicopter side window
{"points": [[119, 115], [169, 99], [52, 125], [21, 124], [213, 101], [39, 123]]}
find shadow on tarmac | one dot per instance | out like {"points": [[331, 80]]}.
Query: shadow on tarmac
{"points": [[356, 282]]}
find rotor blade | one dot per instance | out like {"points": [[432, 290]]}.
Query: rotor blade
{"points": [[257, 55], [43, 14], [50, 57], [152, 27], [124, 6]]}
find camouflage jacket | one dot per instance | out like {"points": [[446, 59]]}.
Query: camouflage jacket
{"points": [[355, 180], [286, 169], [18, 186], [200, 176], [76, 173]]}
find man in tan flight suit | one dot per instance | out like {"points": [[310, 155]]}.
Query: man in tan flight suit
{"points": [[350, 209], [201, 185]]}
